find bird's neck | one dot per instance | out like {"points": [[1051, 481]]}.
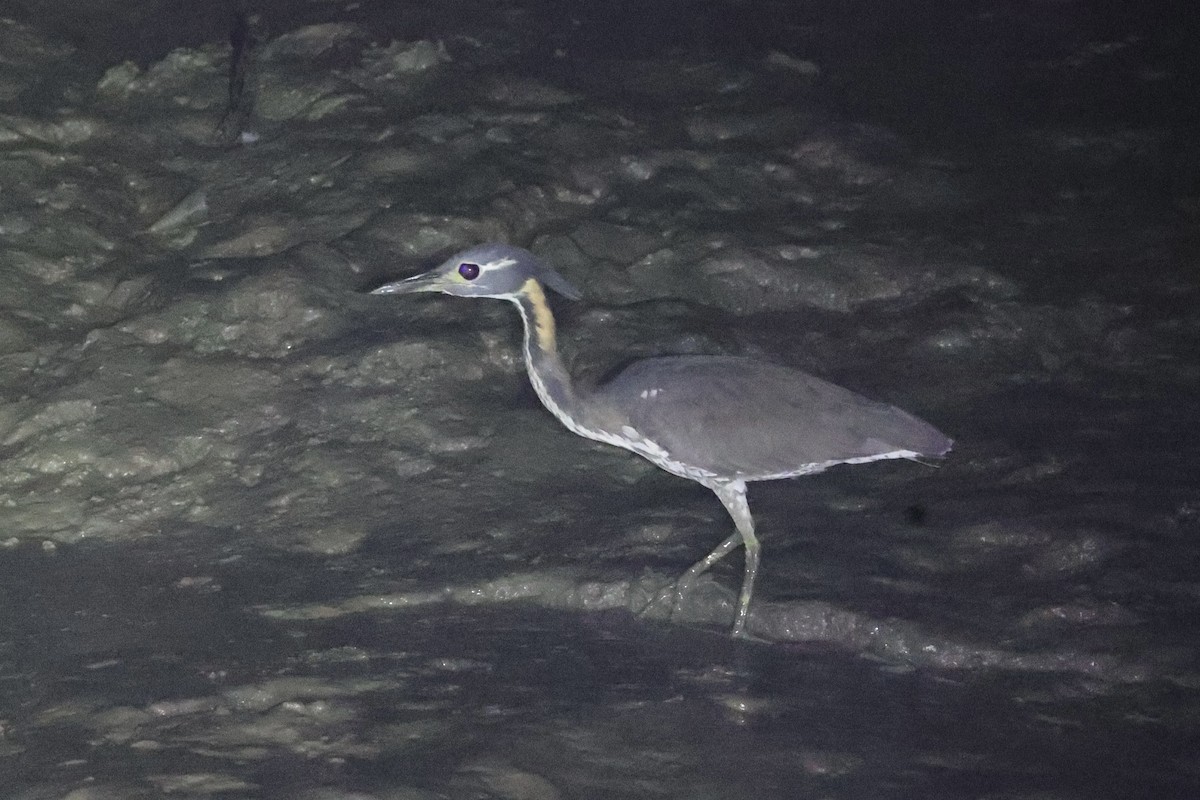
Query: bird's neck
{"points": [[549, 377]]}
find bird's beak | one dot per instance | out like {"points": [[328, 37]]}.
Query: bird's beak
{"points": [[425, 282]]}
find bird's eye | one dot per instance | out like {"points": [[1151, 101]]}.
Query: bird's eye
{"points": [[468, 271]]}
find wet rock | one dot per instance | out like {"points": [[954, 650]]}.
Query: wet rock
{"points": [[1080, 614], [419, 237], [503, 780], [283, 95], [57, 514], [266, 234], [268, 694], [400, 59], [520, 92], [321, 43], [67, 132], [401, 162], [782, 61], [182, 707], [265, 316], [744, 280], [622, 244], [56, 415], [185, 78], [1071, 555], [120, 724], [742, 708], [202, 783], [14, 337], [188, 212], [111, 791]]}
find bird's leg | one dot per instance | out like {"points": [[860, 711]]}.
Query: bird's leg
{"points": [[733, 495], [676, 590], [703, 565]]}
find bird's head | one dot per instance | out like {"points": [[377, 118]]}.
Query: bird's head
{"points": [[487, 270]]}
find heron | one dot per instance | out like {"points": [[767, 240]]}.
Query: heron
{"points": [[721, 421]]}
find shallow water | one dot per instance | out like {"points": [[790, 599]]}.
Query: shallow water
{"points": [[265, 535]]}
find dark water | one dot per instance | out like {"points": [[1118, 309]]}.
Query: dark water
{"points": [[123, 687]]}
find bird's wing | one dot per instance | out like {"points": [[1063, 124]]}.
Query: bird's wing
{"points": [[741, 418]]}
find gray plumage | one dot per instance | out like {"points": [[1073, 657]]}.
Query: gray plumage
{"points": [[751, 420], [718, 420]]}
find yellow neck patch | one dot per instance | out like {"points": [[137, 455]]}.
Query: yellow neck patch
{"points": [[543, 320]]}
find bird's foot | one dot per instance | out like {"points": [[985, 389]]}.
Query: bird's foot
{"points": [[662, 601], [690, 599], [676, 591]]}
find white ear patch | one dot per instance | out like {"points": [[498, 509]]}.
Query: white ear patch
{"points": [[499, 263]]}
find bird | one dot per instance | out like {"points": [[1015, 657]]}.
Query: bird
{"points": [[721, 421]]}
